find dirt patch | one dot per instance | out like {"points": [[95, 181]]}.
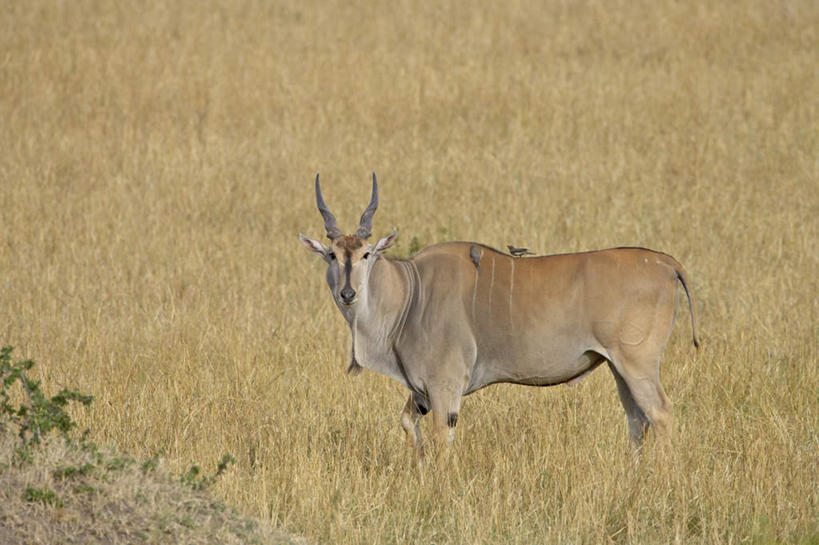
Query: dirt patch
{"points": [[61, 493]]}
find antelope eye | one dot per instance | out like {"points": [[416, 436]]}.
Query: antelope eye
{"points": [[332, 255], [366, 255]]}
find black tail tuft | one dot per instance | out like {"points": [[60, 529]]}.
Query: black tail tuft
{"points": [[691, 311]]}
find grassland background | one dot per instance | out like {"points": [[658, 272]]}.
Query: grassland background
{"points": [[156, 162]]}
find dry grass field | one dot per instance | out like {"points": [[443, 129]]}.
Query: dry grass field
{"points": [[156, 165]]}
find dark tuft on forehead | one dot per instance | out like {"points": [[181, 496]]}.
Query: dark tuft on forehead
{"points": [[349, 242]]}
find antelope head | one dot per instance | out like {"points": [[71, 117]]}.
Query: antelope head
{"points": [[349, 257]]}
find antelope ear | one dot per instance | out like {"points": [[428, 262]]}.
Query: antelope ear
{"points": [[314, 246], [385, 242]]}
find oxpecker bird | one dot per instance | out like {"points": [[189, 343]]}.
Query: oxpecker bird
{"points": [[519, 252]]}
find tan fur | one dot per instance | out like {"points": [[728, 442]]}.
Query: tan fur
{"points": [[348, 242]]}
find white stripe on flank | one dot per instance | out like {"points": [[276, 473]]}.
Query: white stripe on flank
{"points": [[491, 285], [474, 295], [511, 287], [475, 288]]}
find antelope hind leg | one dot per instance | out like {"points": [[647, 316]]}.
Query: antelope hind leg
{"points": [[414, 409]]}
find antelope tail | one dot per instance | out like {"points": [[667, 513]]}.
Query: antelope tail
{"points": [[684, 281]]}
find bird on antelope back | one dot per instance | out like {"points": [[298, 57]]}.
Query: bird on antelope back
{"points": [[459, 316], [519, 252]]}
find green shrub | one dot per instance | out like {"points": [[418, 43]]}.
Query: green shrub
{"points": [[40, 415], [46, 496]]}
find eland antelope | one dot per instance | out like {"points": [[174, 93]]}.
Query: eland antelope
{"points": [[458, 316]]}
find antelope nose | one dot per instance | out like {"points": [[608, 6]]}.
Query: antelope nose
{"points": [[347, 295]]}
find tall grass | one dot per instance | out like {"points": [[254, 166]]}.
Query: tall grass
{"points": [[156, 165]]}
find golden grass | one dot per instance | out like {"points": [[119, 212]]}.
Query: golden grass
{"points": [[156, 165]]}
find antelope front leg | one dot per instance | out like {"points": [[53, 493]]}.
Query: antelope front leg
{"points": [[445, 402], [414, 409]]}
